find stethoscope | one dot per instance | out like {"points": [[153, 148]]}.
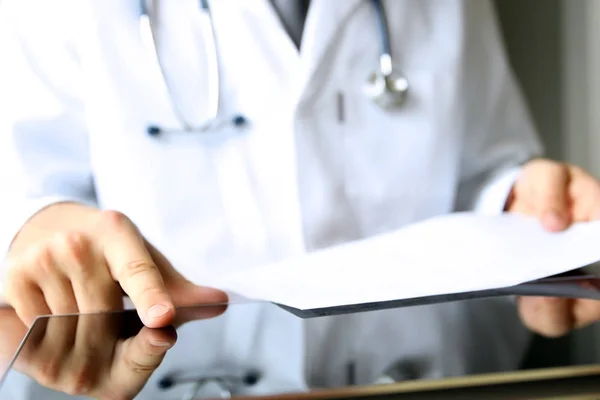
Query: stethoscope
{"points": [[229, 385], [226, 385], [386, 87]]}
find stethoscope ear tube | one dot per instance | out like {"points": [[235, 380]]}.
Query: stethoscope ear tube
{"points": [[215, 122], [228, 385], [384, 34], [387, 87], [238, 121]]}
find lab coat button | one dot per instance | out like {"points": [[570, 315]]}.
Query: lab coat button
{"points": [[166, 382], [239, 120], [252, 378], [153, 130]]}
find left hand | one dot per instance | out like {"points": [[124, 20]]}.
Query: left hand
{"points": [[558, 194]]}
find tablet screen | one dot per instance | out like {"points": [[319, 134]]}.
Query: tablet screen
{"points": [[253, 349]]}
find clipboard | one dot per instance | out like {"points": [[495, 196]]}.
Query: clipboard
{"points": [[566, 285]]}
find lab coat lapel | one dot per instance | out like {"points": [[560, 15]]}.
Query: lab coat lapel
{"points": [[324, 22]]}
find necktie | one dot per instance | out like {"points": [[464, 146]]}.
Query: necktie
{"points": [[292, 14]]}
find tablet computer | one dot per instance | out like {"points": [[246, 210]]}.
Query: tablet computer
{"points": [[459, 347]]}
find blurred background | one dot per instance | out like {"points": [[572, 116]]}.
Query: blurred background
{"points": [[555, 54], [552, 49]]}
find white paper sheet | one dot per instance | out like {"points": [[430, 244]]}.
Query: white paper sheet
{"points": [[449, 254]]}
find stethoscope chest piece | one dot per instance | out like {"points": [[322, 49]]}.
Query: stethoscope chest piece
{"points": [[388, 91], [386, 86]]}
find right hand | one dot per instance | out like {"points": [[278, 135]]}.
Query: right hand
{"points": [[82, 260]]}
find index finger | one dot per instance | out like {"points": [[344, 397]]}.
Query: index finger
{"points": [[132, 266], [137, 358], [197, 313]]}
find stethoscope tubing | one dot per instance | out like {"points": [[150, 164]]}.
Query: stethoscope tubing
{"points": [[149, 10]]}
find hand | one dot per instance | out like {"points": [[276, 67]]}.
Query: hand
{"points": [[556, 193], [87, 266], [99, 355], [559, 195]]}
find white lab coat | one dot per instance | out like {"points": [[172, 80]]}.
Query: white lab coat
{"points": [[79, 84]]}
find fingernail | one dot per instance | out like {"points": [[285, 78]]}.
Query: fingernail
{"points": [[160, 344], [553, 221], [157, 311]]}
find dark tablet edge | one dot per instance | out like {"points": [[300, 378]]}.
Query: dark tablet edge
{"points": [[549, 289]]}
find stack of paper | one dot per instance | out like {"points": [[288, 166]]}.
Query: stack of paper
{"points": [[455, 253]]}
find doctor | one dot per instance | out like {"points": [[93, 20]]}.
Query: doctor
{"points": [[148, 145]]}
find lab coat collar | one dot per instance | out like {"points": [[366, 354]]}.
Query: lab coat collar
{"points": [[325, 20]]}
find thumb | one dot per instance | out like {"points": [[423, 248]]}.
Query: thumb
{"points": [[551, 200], [183, 292]]}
